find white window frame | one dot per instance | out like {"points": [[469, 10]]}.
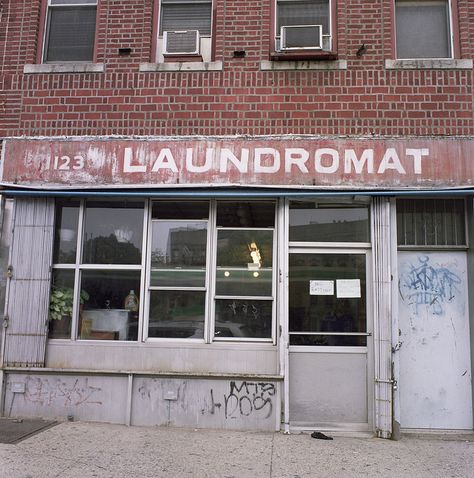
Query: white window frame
{"points": [[78, 267], [450, 33], [45, 44], [327, 38], [211, 271]]}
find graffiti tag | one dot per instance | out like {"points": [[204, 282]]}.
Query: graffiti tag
{"points": [[244, 399], [425, 285], [45, 391]]}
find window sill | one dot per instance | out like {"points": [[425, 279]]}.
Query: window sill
{"points": [[182, 66], [429, 64], [267, 65], [65, 68]]}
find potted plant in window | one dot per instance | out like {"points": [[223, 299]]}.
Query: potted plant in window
{"points": [[60, 310]]}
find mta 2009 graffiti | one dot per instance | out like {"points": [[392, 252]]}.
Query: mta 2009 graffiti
{"points": [[47, 391], [426, 285], [245, 399]]}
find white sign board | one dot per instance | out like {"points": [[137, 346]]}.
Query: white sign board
{"points": [[321, 287], [348, 288]]}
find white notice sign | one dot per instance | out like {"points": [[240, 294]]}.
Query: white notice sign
{"points": [[321, 287], [348, 288]]}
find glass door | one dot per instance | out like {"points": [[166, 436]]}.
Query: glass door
{"points": [[329, 339]]}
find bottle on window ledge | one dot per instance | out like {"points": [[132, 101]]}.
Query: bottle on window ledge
{"points": [[131, 302]]}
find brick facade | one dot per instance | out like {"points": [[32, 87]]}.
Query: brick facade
{"points": [[364, 99]]}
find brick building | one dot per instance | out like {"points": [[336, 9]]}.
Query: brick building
{"points": [[252, 215]]}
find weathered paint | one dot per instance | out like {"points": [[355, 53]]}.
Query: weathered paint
{"points": [[273, 161], [28, 289], [183, 402], [435, 368]]}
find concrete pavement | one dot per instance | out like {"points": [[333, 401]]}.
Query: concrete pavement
{"points": [[85, 450]]}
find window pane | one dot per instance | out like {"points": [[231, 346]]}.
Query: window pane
{"points": [[244, 262], [113, 233], [246, 214], [304, 12], [186, 16], [177, 314], [106, 314], [423, 29], [65, 233], [180, 210], [243, 318], [71, 33], [61, 304], [313, 222]]}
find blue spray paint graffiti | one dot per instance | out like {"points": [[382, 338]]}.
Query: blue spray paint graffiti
{"points": [[425, 285]]}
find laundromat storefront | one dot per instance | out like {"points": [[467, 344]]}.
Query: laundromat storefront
{"points": [[248, 283]]}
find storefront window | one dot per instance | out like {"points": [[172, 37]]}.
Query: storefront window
{"points": [[178, 260], [206, 267], [106, 302], [244, 270]]}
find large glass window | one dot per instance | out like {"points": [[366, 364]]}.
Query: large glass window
{"points": [[423, 29], [178, 263], [97, 270], [244, 270], [70, 30], [303, 24], [207, 268]]}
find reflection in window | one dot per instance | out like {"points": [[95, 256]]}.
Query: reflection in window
{"points": [[113, 233], [244, 270], [178, 253], [244, 262], [243, 318], [311, 221], [109, 276], [177, 314], [65, 233], [178, 261]]}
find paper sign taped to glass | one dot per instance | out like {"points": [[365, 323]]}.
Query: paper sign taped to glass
{"points": [[348, 288], [321, 287]]}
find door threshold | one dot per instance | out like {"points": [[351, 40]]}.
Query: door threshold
{"points": [[350, 430]]}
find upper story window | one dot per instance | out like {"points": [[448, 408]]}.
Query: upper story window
{"points": [[185, 28], [423, 29], [303, 25], [70, 30]]}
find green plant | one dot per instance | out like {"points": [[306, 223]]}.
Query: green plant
{"points": [[61, 302]]}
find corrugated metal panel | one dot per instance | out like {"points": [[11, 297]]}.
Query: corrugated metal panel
{"points": [[28, 292], [381, 233]]}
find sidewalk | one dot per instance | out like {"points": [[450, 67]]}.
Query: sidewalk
{"points": [[86, 450]]}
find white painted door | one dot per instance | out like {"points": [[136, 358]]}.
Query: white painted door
{"points": [[435, 370]]}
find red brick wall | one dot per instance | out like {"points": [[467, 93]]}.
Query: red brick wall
{"points": [[363, 100]]}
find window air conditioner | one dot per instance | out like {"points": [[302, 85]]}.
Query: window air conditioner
{"points": [[185, 42], [300, 37]]}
